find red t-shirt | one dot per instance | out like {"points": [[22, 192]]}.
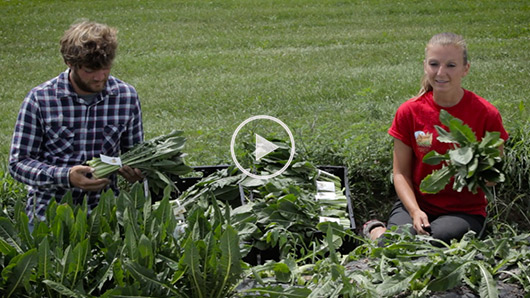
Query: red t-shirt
{"points": [[414, 125]]}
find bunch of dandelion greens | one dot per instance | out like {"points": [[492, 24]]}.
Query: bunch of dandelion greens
{"points": [[472, 163], [333, 203], [159, 159]]}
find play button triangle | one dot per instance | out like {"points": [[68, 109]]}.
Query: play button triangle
{"points": [[263, 147]]}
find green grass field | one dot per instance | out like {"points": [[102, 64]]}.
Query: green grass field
{"points": [[333, 71]]}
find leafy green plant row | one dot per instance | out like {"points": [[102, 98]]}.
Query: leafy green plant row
{"points": [[406, 266], [124, 248], [130, 247]]}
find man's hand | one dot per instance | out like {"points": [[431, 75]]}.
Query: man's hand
{"points": [[80, 176], [130, 174]]}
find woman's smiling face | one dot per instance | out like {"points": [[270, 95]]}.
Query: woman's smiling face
{"points": [[444, 66]]}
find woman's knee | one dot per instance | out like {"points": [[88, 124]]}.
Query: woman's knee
{"points": [[449, 227], [447, 234]]}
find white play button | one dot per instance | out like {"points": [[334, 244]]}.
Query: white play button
{"points": [[263, 147]]}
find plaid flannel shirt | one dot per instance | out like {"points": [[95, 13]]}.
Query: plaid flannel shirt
{"points": [[56, 130]]}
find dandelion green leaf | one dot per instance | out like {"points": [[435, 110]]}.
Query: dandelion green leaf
{"points": [[65, 214], [288, 209], [252, 182], [137, 196], [178, 275], [472, 186], [164, 178], [325, 288], [147, 276], [79, 257], [450, 276], [163, 213], [488, 286], [394, 285], [281, 292], [282, 272], [445, 136], [445, 118], [145, 250], [6, 249], [79, 228], [63, 290], [461, 156], [8, 233], [18, 271], [434, 158], [65, 261], [436, 181], [21, 223], [331, 245], [107, 274], [461, 132], [472, 167], [191, 259], [229, 263], [94, 223], [131, 242], [491, 139], [45, 259]]}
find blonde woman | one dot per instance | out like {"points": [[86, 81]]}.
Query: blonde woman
{"points": [[448, 214]]}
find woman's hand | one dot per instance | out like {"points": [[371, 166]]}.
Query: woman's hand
{"points": [[402, 169], [420, 222]]}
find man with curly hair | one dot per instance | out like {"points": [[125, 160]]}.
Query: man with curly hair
{"points": [[82, 113]]}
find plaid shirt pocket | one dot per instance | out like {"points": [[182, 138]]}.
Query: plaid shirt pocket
{"points": [[60, 140], [111, 139]]}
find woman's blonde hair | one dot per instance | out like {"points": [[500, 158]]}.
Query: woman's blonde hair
{"points": [[444, 39], [89, 44]]}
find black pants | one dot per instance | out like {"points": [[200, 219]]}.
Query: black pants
{"points": [[444, 227]]}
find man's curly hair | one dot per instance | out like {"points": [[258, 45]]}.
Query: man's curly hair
{"points": [[89, 44]]}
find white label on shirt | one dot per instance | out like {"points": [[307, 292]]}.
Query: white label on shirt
{"points": [[325, 186], [115, 161]]}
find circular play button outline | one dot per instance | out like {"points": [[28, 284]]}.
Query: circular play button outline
{"points": [[232, 143]]}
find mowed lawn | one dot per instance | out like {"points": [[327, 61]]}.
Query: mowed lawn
{"points": [[333, 71]]}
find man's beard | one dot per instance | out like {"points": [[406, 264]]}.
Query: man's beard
{"points": [[83, 85]]}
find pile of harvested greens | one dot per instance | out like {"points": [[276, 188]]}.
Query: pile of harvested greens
{"points": [[287, 214]]}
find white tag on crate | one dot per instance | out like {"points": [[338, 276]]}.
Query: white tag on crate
{"points": [[328, 219], [325, 186], [115, 161], [180, 229], [325, 196], [179, 211]]}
